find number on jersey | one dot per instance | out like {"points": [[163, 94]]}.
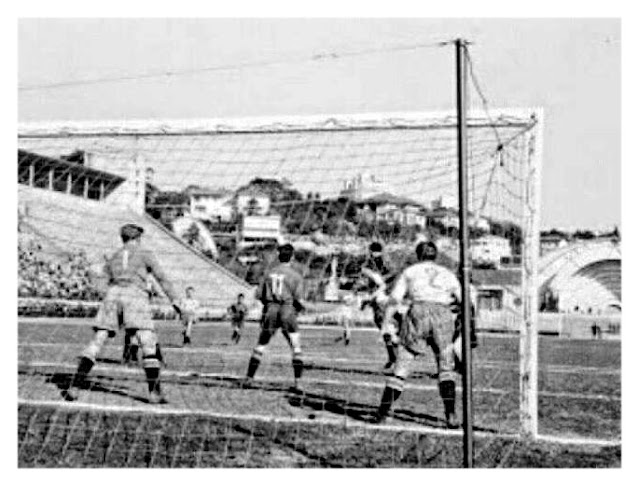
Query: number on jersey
{"points": [[277, 284]]}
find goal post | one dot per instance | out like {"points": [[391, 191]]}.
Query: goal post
{"points": [[529, 356]]}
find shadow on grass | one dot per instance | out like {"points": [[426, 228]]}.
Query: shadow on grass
{"points": [[96, 383], [369, 372]]}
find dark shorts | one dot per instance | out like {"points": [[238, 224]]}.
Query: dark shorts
{"points": [[239, 324], [278, 316]]}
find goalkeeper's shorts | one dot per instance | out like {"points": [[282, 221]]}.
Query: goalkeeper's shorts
{"points": [[124, 307]]}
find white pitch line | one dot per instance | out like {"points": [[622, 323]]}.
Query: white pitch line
{"points": [[559, 369], [316, 381], [345, 422], [200, 325]]}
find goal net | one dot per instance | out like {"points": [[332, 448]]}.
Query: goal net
{"points": [[215, 198]]}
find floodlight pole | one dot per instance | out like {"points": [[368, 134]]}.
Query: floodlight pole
{"points": [[464, 261]]}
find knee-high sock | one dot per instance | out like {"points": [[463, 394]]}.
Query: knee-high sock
{"points": [[298, 365], [392, 391], [254, 363], [84, 368], [153, 379], [447, 392], [391, 348]]}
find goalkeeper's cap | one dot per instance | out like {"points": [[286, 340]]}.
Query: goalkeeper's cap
{"points": [[375, 247], [131, 231], [426, 250]]}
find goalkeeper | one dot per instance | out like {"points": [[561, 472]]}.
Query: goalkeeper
{"points": [[126, 306]]}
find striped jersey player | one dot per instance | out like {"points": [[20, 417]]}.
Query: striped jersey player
{"points": [[430, 289], [376, 278], [281, 295], [126, 307]]}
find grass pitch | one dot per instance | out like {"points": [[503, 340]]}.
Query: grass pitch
{"points": [[210, 422]]}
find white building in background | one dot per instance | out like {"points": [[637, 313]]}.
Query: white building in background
{"points": [[258, 230], [211, 204], [395, 209], [490, 249], [444, 201], [363, 186]]}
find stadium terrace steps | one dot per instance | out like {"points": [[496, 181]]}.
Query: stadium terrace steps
{"points": [[81, 224]]}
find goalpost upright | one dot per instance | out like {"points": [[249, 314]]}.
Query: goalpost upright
{"points": [[528, 340]]}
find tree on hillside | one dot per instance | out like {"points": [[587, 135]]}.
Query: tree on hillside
{"points": [[584, 235], [276, 190]]}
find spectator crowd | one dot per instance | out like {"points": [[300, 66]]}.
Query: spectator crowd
{"points": [[44, 275]]}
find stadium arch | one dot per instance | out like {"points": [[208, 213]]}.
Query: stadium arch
{"points": [[583, 277]]}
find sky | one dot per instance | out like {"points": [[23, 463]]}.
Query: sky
{"points": [[571, 68]]}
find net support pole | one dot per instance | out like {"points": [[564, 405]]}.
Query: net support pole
{"points": [[464, 261], [528, 338]]}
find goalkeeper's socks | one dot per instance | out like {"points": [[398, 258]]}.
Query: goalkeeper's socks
{"points": [[84, 368], [133, 352], [298, 367], [254, 364], [389, 396], [153, 379], [447, 392]]}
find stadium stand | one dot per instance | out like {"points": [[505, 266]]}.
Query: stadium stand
{"points": [[78, 224]]}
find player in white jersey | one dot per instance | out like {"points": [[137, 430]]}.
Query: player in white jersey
{"points": [[430, 290], [190, 307]]}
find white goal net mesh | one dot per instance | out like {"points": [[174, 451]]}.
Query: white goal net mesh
{"points": [[214, 199]]}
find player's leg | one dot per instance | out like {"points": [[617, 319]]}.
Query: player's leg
{"points": [[443, 327], [380, 314], [256, 357], [234, 335], [287, 319], [151, 362], [390, 336], [87, 360], [186, 332], [395, 382], [347, 330], [237, 331], [131, 347], [269, 327]]}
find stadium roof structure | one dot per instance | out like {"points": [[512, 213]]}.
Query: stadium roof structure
{"points": [[34, 168], [25, 158]]}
